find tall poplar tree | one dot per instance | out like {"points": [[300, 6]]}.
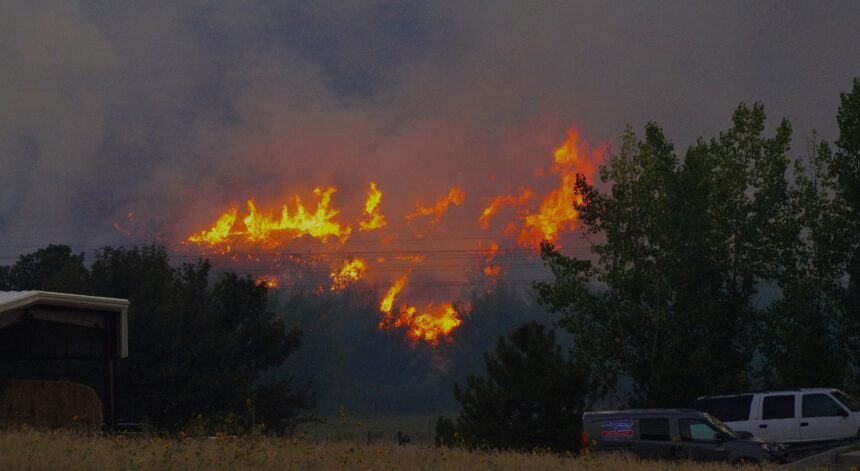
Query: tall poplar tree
{"points": [[683, 246]]}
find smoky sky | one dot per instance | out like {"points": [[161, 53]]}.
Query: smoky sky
{"points": [[172, 110]]}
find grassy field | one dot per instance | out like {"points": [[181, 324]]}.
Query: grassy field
{"points": [[34, 450], [372, 429]]}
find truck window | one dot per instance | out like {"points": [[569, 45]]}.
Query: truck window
{"points": [[696, 430], [848, 401], [820, 405], [654, 429], [778, 407], [727, 409]]}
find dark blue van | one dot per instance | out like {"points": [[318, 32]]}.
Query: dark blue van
{"points": [[673, 434]]}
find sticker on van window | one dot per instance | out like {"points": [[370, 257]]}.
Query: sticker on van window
{"points": [[616, 428]]}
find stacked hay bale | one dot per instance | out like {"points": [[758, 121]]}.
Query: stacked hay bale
{"points": [[49, 405]]}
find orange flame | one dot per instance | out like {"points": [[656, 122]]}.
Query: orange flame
{"points": [[350, 272], [429, 325], [556, 211], [568, 152], [455, 196], [556, 214], [371, 209], [500, 201]]}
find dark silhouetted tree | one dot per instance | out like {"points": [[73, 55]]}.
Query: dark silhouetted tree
{"points": [[195, 347], [532, 397], [54, 268], [194, 350]]}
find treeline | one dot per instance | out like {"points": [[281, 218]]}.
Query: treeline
{"points": [[733, 267], [212, 345], [201, 350]]}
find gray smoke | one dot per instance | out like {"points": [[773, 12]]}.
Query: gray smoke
{"points": [[172, 112]]}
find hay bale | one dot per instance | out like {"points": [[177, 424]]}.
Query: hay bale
{"points": [[50, 405]]}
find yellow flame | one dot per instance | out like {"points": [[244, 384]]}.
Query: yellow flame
{"points": [[265, 229], [557, 212], [388, 300], [430, 324], [375, 220], [219, 233]]}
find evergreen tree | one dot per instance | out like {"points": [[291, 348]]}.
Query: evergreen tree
{"points": [[532, 397]]}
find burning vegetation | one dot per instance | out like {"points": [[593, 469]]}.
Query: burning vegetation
{"points": [[528, 216]]}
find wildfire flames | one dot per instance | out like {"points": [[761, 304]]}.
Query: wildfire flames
{"points": [[267, 231], [455, 196], [429, 324], [532, 216], [349, 273], [375, 220], [556, 212]]}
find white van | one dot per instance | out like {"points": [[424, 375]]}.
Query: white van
{"points": [[799, 415]]}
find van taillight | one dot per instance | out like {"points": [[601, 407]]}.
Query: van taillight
{"points": [[584, 440]]}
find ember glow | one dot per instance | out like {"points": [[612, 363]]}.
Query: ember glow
{"points": [[491, 270], [268, 281], [527, 216]]}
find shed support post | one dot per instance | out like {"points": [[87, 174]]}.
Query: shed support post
{"points": [[110, 406]]}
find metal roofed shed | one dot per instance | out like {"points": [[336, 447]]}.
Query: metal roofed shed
{"points": [[42, 325]]}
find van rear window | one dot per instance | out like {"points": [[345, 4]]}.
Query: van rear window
{"points": [[727, 409], [654, 429]]}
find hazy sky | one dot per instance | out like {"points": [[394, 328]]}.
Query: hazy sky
{"points": [[173, 112]]}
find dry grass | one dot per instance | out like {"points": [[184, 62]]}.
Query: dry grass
{"points": [[27, 449], [49, 404]]}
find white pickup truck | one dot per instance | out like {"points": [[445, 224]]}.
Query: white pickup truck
{"points": [[800, 415]]}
